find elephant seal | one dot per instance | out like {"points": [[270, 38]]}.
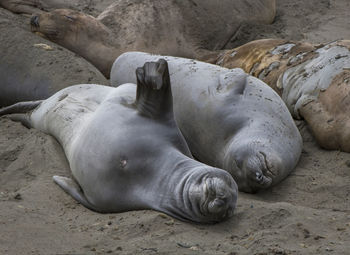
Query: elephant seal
{"points": [[230, 120], [143, 25], [32, 68], [313, 80], [128, 154]]}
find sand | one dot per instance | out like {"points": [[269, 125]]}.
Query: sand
{"points": [[308, 213]]}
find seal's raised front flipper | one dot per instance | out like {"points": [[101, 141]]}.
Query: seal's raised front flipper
{"points": [[73, 189], [153, 96]]}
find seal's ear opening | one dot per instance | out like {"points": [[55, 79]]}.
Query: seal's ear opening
{"points": [[153, 96]]}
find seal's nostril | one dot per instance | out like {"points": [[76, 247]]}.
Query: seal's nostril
{"points": [[259, 176], [219, 202], [34, 21]]}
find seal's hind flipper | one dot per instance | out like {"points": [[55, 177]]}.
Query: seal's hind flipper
{"points": [[73, 189], [21, 117], [236, 80], [153, 96], [21, 107], [19, 111]]}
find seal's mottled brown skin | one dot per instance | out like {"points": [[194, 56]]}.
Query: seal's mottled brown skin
{"points": [[328, 115], [255, 58]]}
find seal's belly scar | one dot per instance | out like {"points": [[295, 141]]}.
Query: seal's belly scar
{"points": [[230, 120], [126, 152]]}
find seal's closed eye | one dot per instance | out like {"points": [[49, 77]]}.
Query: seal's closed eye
{"points": [[70, 18], [34, 21]]}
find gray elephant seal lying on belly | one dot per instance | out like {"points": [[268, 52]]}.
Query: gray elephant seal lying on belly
{"points": [[128, 154], [230, 120]]}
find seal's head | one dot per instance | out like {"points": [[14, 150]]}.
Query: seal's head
{"points": [[211, 195], [80, 33], [255, 166], [66, 27], [62, 25]]}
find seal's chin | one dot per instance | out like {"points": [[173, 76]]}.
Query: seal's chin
{"points": [[219, 198]]}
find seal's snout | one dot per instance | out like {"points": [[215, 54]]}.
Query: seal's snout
{"points": [[218, 206], [259, 176], [222, 197], [257, 173], [34, 21]]}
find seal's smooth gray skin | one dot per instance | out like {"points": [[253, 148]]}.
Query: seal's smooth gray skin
{"points": [[230, 120], [128, 154]]}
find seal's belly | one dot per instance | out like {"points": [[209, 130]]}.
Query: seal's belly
{"points": [[65, 113]]}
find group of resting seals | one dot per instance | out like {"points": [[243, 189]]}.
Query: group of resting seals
{"points": [[192, 191], [235, 122], [230, 120], [293, 69], [293, 62]]}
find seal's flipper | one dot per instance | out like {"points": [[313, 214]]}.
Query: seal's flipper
{"points": [[73, 189], [21, 107], [21, 117], [235, 80], [153, 96], [20, 111]]}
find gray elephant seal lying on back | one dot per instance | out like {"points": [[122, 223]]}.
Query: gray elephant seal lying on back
{"points": [[230, 120], [128, 154]]}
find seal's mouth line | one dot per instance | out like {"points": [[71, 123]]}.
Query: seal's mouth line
{"points": [[206, 194], [267, 168]]}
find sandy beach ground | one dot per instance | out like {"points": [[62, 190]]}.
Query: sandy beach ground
{"points": [[308, 213]]}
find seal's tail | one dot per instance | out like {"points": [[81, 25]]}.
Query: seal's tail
{"points": [[153, 96], [19, 111]]}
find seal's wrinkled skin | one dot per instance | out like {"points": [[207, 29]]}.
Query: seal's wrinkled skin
{"points": [[230, 120], [313, 81], [127, 153]]}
